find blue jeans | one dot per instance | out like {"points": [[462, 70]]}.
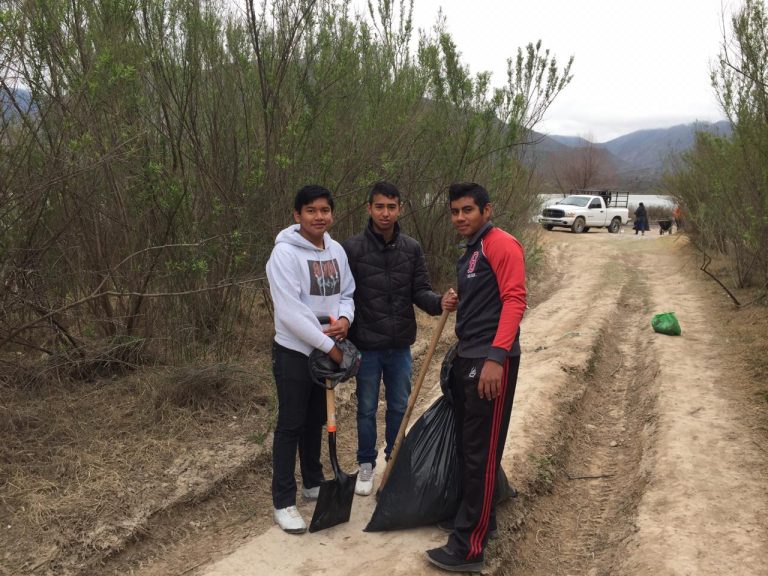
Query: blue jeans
{"points": [[395, 365]]}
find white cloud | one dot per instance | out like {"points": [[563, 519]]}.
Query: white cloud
{"points": [[637, 64]]}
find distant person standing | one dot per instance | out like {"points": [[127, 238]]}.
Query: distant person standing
{"points": [[390, 277], [677, 214], [308, 277], [641, 219], [492, 300]]}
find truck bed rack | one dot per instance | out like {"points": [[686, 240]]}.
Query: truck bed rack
{"points": [[612, 198]]}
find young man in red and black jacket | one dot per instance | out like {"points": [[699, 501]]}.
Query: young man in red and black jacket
{"points": [[491, 286]]}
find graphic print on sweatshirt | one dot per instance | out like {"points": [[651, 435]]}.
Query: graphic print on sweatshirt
{"points": [[324, 277]]}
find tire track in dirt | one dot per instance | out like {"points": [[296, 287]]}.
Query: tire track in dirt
{"points": [[656, 465], [705, 507], [594, 482]]}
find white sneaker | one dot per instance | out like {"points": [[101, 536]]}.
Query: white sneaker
{"points": [[310, 493], [364, 484], [290, 520]]}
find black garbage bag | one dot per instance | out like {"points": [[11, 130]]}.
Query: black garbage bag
{"points": [[326, 372], [424, 486], [504, 490], [445, 371]]}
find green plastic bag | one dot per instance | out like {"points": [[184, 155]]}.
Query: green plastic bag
{"points": [[666, 323]]}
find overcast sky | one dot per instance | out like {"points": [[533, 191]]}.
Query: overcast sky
{"points": [[638, 64]]}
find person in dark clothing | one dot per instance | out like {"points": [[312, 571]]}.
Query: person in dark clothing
{"points": [[390, 277], [492, 300], [677, 214], [641, 219]]}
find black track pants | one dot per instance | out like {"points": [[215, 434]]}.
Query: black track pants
{"points": [[300, 417], [481, 431]]}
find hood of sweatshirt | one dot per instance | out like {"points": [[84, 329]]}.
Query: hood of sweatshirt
{"points": [[292, 236], [307, 282]]}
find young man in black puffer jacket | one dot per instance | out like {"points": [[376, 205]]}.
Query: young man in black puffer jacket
{"points": [[391, 276]]}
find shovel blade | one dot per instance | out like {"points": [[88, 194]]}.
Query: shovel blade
{"points": [[334, 503]]}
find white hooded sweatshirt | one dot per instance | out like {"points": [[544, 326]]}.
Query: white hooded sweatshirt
{"points": [[306, 282]]}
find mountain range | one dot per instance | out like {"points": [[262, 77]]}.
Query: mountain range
{"points": [[634, 160]]}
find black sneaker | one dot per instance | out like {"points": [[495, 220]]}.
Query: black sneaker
{"points": [[447, 526], [446, 559]]}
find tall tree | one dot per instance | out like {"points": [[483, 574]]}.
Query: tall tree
{"points": [[723, 184]]}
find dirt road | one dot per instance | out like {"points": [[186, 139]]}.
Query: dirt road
{"points": [[634, 453]]}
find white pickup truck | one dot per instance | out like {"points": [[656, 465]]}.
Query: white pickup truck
{"points": [[588, 209]]}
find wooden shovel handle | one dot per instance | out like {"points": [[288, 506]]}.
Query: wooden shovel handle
{"points": [[412, 398], [330, 407]]}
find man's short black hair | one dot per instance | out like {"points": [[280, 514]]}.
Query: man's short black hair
{"points": [[475, 191], [309, 194], [383, 187]]}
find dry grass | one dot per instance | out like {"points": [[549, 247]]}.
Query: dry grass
{"points": [[218, 388], [84, 465], [749, 327]]}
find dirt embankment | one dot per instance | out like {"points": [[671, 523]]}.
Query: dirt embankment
{"points": [[634, 453]]}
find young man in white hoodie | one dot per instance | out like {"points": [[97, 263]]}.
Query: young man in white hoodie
{"points": [[309, 277]]}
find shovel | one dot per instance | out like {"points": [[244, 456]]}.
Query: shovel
{"points": [[412, 400], [334, 502]]}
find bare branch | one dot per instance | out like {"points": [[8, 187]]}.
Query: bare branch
{"points": [[703, 268], [15, 332]]}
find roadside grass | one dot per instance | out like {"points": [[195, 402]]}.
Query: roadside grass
{"points": [[544, 466], [749, 327], [84, 465]]}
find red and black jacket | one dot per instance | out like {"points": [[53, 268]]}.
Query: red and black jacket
{"points": [[491, 285]]}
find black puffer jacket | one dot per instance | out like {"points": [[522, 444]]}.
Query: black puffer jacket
{"points": [[389, 279]]}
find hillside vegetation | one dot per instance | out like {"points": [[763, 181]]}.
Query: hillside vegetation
{"points": [[722, 183], [150, 152], [634, 162], [142, 189]]}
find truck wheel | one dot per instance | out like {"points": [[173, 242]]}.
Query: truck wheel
{"points": [[578, 225], [547, 226], [615, 225]]}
